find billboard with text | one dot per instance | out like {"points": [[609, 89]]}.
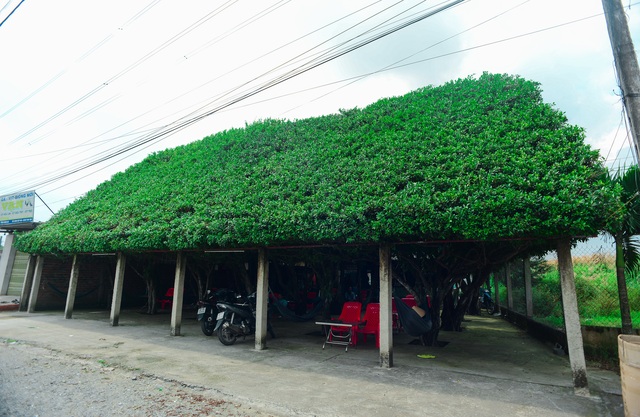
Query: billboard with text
{"points": [[17, 208]]}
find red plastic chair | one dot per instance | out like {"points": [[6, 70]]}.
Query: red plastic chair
{"points": [[372, 323], [410, 301], [311, 296], [167, 300], [395, 320], [351, 314]]}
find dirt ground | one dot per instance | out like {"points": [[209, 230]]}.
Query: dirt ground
{"points": [[43, 382]]}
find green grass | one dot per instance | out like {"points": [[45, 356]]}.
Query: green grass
{"points": [[596, 290]]}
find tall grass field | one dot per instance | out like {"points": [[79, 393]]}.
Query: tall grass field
{"points": [[596, 289]]}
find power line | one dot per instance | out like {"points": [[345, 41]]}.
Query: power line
{"points": [[104, 85], [183, 123], [129, 68], [81, 58], [393, 65], [169, 130], [253, 18], [236, 88], [12, 11], [236, 28]]}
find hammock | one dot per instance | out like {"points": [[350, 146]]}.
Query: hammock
{"points": [[288, 314], [411, 321], [64, 294]]}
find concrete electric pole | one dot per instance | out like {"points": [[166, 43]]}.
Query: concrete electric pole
{"points": [[626, 65]]}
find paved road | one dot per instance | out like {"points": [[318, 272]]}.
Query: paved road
{"points": [[489, 369]]}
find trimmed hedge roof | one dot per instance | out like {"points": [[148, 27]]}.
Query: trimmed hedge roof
{"points": [[476, 158]]}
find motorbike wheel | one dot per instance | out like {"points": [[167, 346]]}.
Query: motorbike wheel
{"points": [[226, 336], [490, 306], [207, 326]]}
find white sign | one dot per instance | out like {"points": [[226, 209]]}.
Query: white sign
{"points": [[17, 208]]}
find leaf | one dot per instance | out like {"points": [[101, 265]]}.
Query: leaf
{"points": [[476, 158]]}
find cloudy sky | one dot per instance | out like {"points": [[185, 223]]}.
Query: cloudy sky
{"points": [[89, 88]]}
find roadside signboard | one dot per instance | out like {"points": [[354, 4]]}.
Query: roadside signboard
{"points": [[17, 208]]}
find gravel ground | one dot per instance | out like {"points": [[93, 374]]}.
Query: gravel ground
{"points": [[39, 382]]}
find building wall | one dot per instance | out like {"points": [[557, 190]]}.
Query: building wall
{"points": [[17, 274], [95, 285]]}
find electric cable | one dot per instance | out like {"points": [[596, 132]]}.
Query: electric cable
{"points": [[12, 11], [81, 58], [323, 42], [315, 63], [392, 65], [179, 125], [129, 68], [236, 28], [113, 98], [253, 18], [478, 46]]}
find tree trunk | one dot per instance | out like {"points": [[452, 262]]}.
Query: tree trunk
{"points": [[431, 338], [625, 313], [150, 284], [195, 274], [151, 292], [474, 304], [242, 273], [449, 312], [457, 306]]}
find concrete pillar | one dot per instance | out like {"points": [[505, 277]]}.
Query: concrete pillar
{"points": [[386, 333], [496, 292], [178, 294], [507, 271], [262, 298], [6, 263], [73, 285], [572, 318], [35, 287], [28, 282], [528, 294], [116, 300]]}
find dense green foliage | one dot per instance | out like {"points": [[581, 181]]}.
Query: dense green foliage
{"points": [[596, 291], [477, 158]]}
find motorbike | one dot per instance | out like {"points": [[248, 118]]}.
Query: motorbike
{"points": [[207, 308], [485, 300], [237, 319]]}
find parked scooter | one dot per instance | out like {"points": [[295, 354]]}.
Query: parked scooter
{"points": [[237, 320], [485, 300], [207, 308]]}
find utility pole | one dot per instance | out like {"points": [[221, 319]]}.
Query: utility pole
{"points": [[629, 79], [626, 65]]}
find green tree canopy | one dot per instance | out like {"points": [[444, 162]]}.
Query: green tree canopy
{"points": [[477, 158]]}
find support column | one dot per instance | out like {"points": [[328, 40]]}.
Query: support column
{"points": [[496, 292], [626, 62], [386, 332], [73, 284], [572, 318], [116, 300], [178, 294], [28, 282], [507, 271], [35, 287], [6, 263], [262, 294], [528, 294]]}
